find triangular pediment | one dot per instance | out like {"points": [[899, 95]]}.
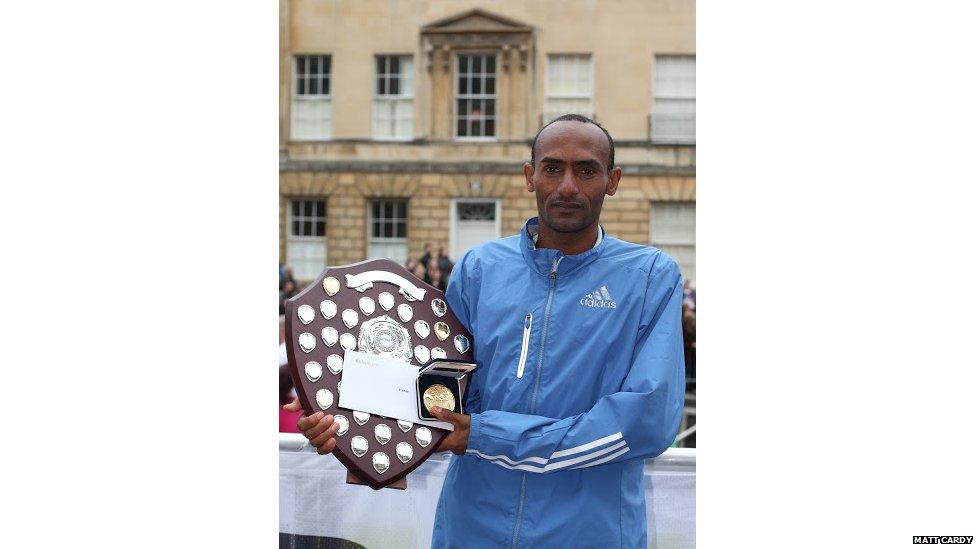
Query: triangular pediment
{"points": [[474, 21]]}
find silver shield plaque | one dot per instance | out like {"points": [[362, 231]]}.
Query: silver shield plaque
{"points": [[437, 352], [334, 363], [306, 314], [404, 451], [307, 342], [404, 425], [438, 306], [383, 433], [348, 341], [405, 312], [324, 398], [421, 353], [385, 337], [343, 425], [386, 300], [422, 329], [367, 305], [461, 343], [329, 336], [350, 318], [313, 371], [359, 445], [423, 436], [360, 417], [328, 308], [381, 462]]}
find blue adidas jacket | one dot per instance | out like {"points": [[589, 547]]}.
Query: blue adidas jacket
{"points": [[580, 378]]}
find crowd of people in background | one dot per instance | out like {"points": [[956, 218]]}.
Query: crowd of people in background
{"points": [[432, 269]]}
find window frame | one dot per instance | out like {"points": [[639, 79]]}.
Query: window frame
{"points": [[290, 238], [370, 239], [671, 140], [295, 97], [457, 93], [393, 98], [546, 95]]}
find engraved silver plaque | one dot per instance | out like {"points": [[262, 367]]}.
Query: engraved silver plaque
{"points": [[404, 425], [348, 341], [381, 462], [343, 425], [438, 306], [331, 285], [404, 451], [307, 342], [323, 397], [405, 312], [334, 363], [423, 436], [330, 336], [328, 309], [360, 417], [367, 305], [350, 318], [383, 433], [313, 370], [386, 300], [437, 352], [421, 353], [359, 445], [385, 337], [306, 314], [422, 329], [461, 343]]}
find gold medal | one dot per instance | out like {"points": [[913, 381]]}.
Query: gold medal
{"points": [[438, 395], [442, 330]]}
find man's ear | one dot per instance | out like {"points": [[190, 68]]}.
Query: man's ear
{"points": [[615, 175], [528, 170]]}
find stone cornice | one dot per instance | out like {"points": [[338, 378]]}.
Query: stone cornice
{"points": [[402, 166]]}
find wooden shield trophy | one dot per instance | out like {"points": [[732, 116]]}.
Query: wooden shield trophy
{"points": [[375, 307]]}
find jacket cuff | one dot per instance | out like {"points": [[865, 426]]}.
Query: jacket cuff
{"points": [[476, 433]]}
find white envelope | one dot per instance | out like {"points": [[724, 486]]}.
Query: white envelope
{"points": [[382, 387]]}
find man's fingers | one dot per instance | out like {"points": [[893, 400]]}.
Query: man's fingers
{"points": [[444, 414], [307, 422], [318, 428], [327, 447], [325, 435], [293, 406]]}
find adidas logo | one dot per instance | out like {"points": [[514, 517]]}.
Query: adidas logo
{"points": [[599, 298]]}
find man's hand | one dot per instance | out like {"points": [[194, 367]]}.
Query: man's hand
{"points": [[457, 440], [318, 428]]}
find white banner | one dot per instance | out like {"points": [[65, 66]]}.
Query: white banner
{"points": [[310, 486]]}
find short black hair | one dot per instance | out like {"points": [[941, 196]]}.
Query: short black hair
{"points": [[574, 118]]}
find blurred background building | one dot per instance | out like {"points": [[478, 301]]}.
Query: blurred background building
{"points": [[406, 122]]}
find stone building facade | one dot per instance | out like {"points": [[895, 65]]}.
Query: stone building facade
{"points": [[408, 122]]}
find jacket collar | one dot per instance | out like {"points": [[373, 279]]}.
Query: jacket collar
{"points": [[541, 260]]}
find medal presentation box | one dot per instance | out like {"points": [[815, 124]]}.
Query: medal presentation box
{"points": [[439, 384], [374, 307]]}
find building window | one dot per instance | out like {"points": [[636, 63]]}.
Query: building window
{"points": [[569, 86], [475, 104], [311, 105], [393, 99], [673, 110], [387, 230], [673, 231], [305, 252]]}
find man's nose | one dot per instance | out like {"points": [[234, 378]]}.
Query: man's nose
{"points": [[567, 185]]}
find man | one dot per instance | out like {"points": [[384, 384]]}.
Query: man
{"points": [[578, 340]]}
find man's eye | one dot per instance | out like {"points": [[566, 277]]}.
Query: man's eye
{"points": [[550, 169], [587, 172]]}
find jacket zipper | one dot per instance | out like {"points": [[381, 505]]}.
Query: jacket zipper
{"points": [[535, 390], [526, 331]]}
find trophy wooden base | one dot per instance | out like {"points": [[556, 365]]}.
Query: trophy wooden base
{"points": [[399, 485]]}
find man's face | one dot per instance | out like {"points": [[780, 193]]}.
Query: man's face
{"points": [[570, 177]]}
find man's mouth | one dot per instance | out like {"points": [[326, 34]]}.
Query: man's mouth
{"points": [[568, 205]]}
